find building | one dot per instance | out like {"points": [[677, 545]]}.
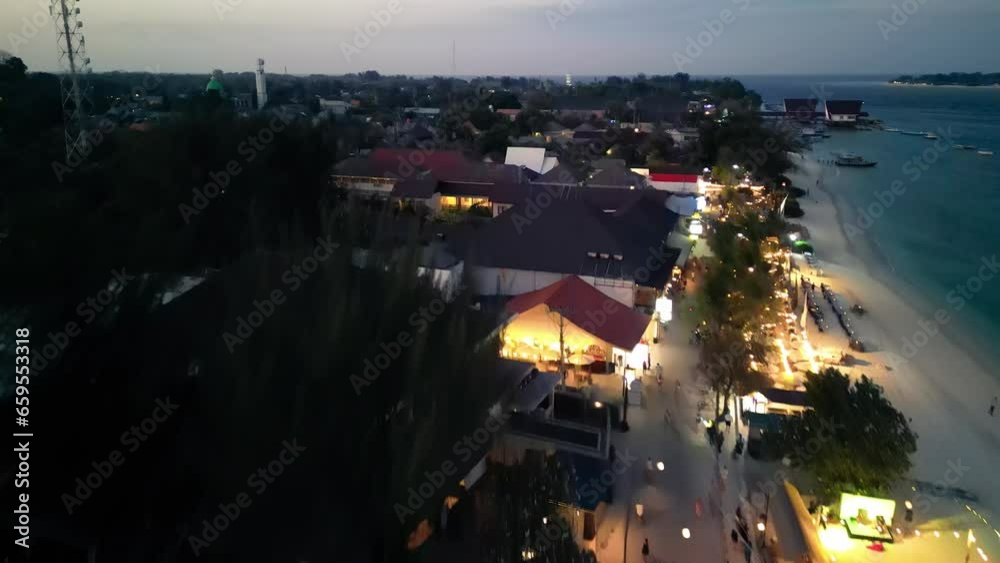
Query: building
{"points": [[677, 183], [432, 179], [801, 109], [545, 238], [334, 107], [510, 114], [684, 136], [613, 173], [261, 80], [425, 113], [586, 319], [579, 106], [535, 159], [242, 101], [843, 112]]}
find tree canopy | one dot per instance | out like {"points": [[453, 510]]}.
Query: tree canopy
{"points": [[852, 438]]}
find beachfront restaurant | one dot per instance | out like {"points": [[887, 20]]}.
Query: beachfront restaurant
{"points": [[599, 334]]}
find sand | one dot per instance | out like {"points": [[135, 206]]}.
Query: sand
{"points": [[935, 381]]}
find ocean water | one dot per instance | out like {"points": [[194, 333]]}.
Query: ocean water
{"points": [[936, 234]]}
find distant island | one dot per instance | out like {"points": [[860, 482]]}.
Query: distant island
{"points": [[951, 79]]}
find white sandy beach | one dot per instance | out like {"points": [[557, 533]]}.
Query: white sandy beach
{"points": [[941, 387]]}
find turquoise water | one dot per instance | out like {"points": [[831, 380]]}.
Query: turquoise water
{"points": [[935, 234]]}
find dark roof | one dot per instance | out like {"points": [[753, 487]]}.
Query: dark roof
{"points": [[844, 107], [422, 187], [584, 471], [564, 175], [443, 165], [572, 235], [785, 396], [614, 172], [800, 106], [578, 301]]}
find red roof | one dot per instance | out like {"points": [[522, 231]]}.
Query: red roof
{"points": [[585, 306], [679, 178]]}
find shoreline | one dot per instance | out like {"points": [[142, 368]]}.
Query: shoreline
{"points": [[928, 85], [942, 386]]}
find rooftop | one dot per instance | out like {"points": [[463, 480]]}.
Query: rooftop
{"points": [[576, 300], [574, 236]]}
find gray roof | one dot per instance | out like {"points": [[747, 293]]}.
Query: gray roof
{"points": [[573, 236]]}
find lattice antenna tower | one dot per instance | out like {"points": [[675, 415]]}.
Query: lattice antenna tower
{"points": [[75, 70]]}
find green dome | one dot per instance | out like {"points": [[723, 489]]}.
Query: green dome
{"points": [[214, 84]]}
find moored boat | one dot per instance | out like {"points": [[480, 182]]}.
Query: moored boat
{"points": [[984, 153], [931, 136], [853, 160], [965, 147], [893, 130]]}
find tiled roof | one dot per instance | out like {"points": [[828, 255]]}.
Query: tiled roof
{"points": [[806, 106], [443, 165], [573, 235], [578, 301], [844, 107], [679, 178]]}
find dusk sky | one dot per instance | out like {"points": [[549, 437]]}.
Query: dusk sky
{"points": [[522, 37]]}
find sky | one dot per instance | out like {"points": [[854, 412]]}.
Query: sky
{"points": [[520, 37]]}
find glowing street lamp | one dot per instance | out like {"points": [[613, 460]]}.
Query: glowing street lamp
{"points": [[686, 533], [661, 467]]}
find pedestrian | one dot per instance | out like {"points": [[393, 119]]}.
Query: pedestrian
{"points": [[993, 406], [645, 549]]}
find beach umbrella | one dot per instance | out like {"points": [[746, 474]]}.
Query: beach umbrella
{"points": [[550, 355]]}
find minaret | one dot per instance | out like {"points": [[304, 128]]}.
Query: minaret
{"points": [[261, 85]]}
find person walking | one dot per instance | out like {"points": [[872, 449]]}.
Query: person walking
{"points": [[993, 406], [645, 549]]}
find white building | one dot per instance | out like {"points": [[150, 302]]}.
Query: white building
{"points": [[531, 158]]}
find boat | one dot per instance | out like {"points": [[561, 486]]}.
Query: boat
{"points": [[984, 153], [965, 147], [893, 130], [915, 133], [853, 160], [931, 136]]}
